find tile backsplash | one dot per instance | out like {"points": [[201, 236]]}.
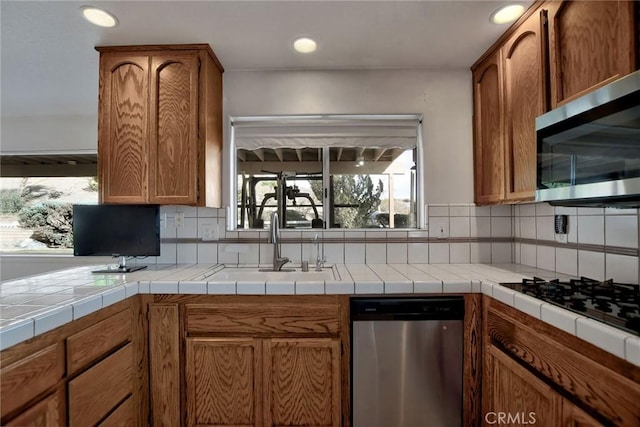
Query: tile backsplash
{"points": [[469, 234], [600, 243]]}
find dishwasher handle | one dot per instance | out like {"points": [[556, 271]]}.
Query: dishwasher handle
{"points": [[431, 308]]}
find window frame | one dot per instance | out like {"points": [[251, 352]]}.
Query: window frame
{"points": [[325, 120]]}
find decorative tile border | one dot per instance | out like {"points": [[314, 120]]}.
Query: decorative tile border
{"points": [[616, 250]]}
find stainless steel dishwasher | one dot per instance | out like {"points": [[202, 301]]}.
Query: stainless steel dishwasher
{"points": [[407, 361]]}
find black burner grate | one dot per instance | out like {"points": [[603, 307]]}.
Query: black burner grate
{"points": [[617, 304]]}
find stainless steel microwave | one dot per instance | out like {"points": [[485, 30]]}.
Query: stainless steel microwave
{"points": [[588, 150]]}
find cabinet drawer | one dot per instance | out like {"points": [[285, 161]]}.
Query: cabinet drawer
{"points": [[263, 318], [98, 390], [88, 345], [26, 379], [121, 417], [50, 411]]}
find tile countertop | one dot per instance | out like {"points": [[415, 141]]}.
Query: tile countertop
{"points": [[33, 305]]}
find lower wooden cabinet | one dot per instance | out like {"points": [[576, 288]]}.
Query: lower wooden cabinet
{"points": [[49, 412], [249, 361], [515, 395], [302, 382], [224, 381], [255, 382], [89, 372], [100, 389], [539, 375], [573, 416]]}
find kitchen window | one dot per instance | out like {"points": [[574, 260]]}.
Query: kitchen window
{"points": [[36, 195], [329, 171]]}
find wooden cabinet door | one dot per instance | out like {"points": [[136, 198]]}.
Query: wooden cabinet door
{"points": [[302, 382], [591, 43], [573, 416], [524, 100], [488, 144], [49, 412], [516, 395], [100, 389], [173, 176], [123, 128], [223, 381]]}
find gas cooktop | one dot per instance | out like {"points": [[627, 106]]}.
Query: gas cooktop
{"points": [[616, 304]]}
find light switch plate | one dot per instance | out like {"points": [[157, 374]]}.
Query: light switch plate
{"points": [[210, 232], [179, 219], [441, 230]]}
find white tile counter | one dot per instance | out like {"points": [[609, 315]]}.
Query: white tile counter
{"points": [[33, 305]]}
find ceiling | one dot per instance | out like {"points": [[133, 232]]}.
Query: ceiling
{"points": [[50, 67]]}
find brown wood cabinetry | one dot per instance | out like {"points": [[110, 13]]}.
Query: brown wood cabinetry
{"points": [[488, 130], [49, 412], [558, 51], [517, 396], [160, 125], [96, 392], [508, 95], [249, 361], [530, 366], [31, 376], [302, 382], [591, 43], [224, 380], [101, 370], [524, 100]]}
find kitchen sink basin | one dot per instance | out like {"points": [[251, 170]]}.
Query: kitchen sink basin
{"points": [[251, 274]]}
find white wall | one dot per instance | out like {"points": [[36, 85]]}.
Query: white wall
{"points": [[443, 97], [75, 134]]}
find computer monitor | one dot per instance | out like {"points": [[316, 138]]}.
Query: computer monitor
{"points": [[116, 230]]}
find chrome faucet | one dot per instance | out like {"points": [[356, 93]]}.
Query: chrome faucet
{"points": [[319, 260], [274, 238]]}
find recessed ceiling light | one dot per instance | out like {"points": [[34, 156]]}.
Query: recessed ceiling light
{"points": [[507, 14], [304, 45], [99, 17]]}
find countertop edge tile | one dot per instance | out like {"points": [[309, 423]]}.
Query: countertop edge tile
{"points": [[21, 330], [504, 295], [427, 287], [52, 319], [560, 318], [484, 278], [528, 305], [601, 335], [632, 350], [87, 306]]}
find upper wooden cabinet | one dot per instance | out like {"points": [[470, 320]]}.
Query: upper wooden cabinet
{"points": [[591, 43], [560, 50], [488, 130], [160, 125], [524, 96], [508, 95]]}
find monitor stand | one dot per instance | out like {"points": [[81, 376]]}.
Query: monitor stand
{"points": [[121, 268]]}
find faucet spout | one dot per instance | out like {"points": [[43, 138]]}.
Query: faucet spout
{"points": [[319, 259], [274, 238]]}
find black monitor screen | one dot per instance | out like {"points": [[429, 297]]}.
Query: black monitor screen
{"points": [[123, 230]]}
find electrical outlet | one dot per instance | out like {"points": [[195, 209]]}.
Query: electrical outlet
{"points": [[179, 219], [210, 232], [442, 230]]}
